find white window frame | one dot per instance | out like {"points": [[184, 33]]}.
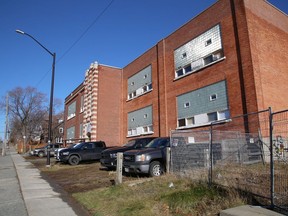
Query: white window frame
{"points": [[204, 116], [208, 42], [187, 104], [213, 97], [140, 91]]}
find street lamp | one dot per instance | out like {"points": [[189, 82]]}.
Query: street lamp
{"points": [[51, 92]]}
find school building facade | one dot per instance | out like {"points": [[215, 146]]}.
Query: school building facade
{"points": [[229, 60]]}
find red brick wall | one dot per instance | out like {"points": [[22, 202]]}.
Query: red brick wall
{"points": [[268, 34], [78, 118], [151, 98], [164, 95], [247, 37], [108, 107]]}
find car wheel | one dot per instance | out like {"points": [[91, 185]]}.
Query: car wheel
{"points": [[41, 154], [155, 169], [74, 160]]}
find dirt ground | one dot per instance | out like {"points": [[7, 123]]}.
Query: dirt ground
{"points": [[73, 179]]}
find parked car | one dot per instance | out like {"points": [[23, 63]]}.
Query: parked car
{"points": [[56, 152], [109, 156], [149, 160], [85, 151], [42, 152]]}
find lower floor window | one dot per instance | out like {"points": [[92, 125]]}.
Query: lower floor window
{"points": [[212, 116], [140, 130], [203, 119]]}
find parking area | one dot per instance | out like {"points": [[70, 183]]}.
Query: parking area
{"points": [[72, 179]]}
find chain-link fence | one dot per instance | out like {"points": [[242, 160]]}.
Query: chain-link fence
{"points": [[279, 169], [236, 153]]}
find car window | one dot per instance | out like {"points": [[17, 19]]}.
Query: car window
{"points": [[99, 144], [89, 146], [79, 145], [130, 143], [160, 142]]}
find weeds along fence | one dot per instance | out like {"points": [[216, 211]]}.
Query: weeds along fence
{"points": [[247, 152]]}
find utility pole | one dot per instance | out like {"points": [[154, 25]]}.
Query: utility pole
{"points": [[6, 129]]}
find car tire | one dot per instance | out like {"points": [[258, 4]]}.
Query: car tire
{"points": [[155, 169], [41, 154], [74, 160]]}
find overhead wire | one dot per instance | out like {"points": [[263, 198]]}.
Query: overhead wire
{"points": [[78, 39]]}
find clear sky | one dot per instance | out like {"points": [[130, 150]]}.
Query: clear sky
{"points": [[111, 32]]}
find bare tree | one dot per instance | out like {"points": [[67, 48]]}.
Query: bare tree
{"points": [[28, 114], [27, 111]]}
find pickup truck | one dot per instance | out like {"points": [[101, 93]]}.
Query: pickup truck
{"points": [[109, 156], [85, 151], [149, 160]]}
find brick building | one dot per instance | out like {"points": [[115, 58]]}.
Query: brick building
{"points": [[92, 110], [227, 61]]}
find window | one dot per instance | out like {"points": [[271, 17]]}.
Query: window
{"points": [[203, 106], [71, 132], [186, 122], [81, 131], [188, 68], [212, 117], [71, 110], [187, 104], [184, 55], [82, 104], [139, 83], [198, 52], [179, 72], [142, 121], [181, 122], [190, 121], [213, 97], [148, 129], [208, 59], [208, 42]]}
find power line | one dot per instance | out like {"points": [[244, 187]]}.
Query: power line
{"points": [[77, 40], [87, 29]]}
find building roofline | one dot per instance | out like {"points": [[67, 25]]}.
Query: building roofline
{"points": [[74, 92], [171, 33]]}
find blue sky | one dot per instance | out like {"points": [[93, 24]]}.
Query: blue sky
{"points": [[111, 32]]}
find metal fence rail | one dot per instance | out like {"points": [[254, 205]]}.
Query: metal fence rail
{"points": [[245, 152]]}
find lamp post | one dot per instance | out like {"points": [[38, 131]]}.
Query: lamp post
{"points": [[51, 92]]}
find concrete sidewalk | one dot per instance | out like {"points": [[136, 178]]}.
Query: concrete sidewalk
{"points": [[23, 191], [11, 199]]}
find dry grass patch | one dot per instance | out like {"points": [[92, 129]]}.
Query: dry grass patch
{"points": [[165, 195]]}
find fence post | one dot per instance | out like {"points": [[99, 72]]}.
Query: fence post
{"points": [[119, 168], [168, 159], [271, 158], [211, 155]]}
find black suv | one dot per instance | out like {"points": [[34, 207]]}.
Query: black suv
{"points": [[84, 151], [109, 156]]}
